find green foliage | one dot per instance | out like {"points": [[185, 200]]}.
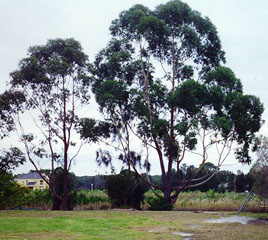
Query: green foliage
{"points": [[40, 198], [92, 130], [10, 103], [90, 197], [111, 94], [125, 189], [211, 194], [58, 58], [191, 96], [11, 194], [159, 204], [11, 159]]}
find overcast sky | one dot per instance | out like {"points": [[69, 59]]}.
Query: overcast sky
{"points": [[241, 24]]}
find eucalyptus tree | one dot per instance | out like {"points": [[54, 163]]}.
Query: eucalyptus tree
{"points": [[161, 80], [52, 78]]}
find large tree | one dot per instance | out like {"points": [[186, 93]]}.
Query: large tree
{"points": [[53, 78], [161, 81]]}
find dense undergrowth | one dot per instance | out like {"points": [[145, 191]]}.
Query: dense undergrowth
{"points": [[195, 201]]}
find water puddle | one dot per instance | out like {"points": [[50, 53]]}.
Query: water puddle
{"points": [[187, 236], [183, 234], [232, 219]]}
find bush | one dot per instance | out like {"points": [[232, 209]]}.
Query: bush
{"points": [[125, 189], [92, 200], [87, 197], [40, 197], [159, 204], [12, 195], [211, 194]]}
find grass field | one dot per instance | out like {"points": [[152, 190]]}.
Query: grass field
{"points": [[124, 224]]}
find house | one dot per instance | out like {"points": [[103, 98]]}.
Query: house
{"points": [[32, 180]]}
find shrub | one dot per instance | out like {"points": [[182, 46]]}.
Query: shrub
{"points": [[82, 198], [159, 204], [125, 189], [85, 197], [12, 195], [211, 194], [41, 197]]}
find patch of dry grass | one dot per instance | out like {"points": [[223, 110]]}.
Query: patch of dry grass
{"points": [[213, 201]]}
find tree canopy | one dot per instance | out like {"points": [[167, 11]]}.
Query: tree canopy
{"points": [[162, 80], [10, 102], [11, 159]]}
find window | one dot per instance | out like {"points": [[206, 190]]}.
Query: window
{"points": [[41, 182]]}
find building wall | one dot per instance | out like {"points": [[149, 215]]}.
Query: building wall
{"points": [[40, 184]]}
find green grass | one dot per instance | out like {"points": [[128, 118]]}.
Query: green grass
{"points": [[122, 225]]}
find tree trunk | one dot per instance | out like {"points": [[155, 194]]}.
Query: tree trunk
{"points": [[167, 191], [64, 203]]}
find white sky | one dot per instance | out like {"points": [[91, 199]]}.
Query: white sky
{"points": [[241, 24]]}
